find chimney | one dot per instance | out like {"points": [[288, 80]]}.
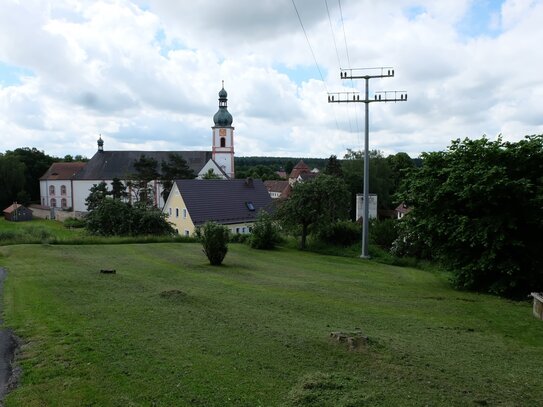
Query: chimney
{"points": [[249, 182]]}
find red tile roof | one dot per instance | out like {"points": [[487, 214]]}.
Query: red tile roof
{"points": [[12, 208], [300, 168], [63, 170]]}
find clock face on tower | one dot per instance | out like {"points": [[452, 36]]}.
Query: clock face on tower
{"points": [[222, 132]]}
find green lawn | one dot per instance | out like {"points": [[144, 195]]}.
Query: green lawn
{"points": [[255, 332], [35, 231]]}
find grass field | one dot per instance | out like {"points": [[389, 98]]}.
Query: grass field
{"points": [[170, 330]]}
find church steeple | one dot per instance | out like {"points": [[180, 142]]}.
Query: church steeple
{"points": [[223, 136], [223, 116], [100, 144]]}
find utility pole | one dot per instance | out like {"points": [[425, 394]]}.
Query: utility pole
{"points": [[382, 96]]}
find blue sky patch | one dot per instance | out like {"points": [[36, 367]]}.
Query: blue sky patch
{"points": [[302, 73], [482, 19], [11, 75], [413, 12]]}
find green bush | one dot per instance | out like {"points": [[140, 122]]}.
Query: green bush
{"points": [[214, 239], [74, 223], [239, 238], [341, 233], [264, 234], [384, 232]]}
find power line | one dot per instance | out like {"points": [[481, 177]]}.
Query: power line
{"points": [[349, 66], [314, 58], [309, 44], [333, 36]]}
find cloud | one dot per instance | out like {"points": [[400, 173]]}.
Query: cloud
{"points": [[146, 74]]}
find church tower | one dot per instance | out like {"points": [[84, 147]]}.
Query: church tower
{"points": [[223, 136]]}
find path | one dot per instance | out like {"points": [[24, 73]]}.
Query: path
{"points": [[7, 347]]}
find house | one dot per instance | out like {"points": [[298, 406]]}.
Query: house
{"points": [[107, 165], [233, 203], [301, 172], [17, 213], [401, 210], [278, 189], [56, 185]]}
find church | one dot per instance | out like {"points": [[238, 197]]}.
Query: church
{"points": [[65, 186]]}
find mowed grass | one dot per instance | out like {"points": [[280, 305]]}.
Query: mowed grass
{"points": [[170, 330]]}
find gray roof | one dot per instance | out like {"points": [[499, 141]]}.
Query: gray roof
{"points": [[106, 165], [223, 201]]}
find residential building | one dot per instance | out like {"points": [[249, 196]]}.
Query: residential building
{"points": [[233, 203]]}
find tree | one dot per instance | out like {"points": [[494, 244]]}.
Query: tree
{"points": [[210, 174], [477, 209], [145, 172], [400, 164], [118, 189], [289, 166], [380, 178], [36, 164], [175, 168], [12, 179], [98, 193], [316, 203], [264, 234], [333, 167], [214, 239]]}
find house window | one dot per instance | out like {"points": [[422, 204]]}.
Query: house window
{"points": [[63, 190], [170, 211], [187, 232], [51, 190], [237, 231], [184, 213], [223, 142], [176, 212], [177, 231], [63, 203], [53, 203], [250, 206], [244, 230]]}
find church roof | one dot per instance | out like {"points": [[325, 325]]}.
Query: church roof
{"points": [[106, 165], [224, 201], [300, 168], [62, 171]]}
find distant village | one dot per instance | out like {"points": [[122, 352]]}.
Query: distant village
{"points": [[190, 203]]}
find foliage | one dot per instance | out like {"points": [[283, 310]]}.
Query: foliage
{"points": [[239, 238], [36, 163], [477, 207], [333, 167], [112, 217], [74, 223], [210, 174], [263, 172], [264, 234], [118, 189], [380, 181], [12, 179], [400, 165], [214, 239], [97, 194], [383, 232], [145, 172], [341, 233], [175, 168], [317, 203]]}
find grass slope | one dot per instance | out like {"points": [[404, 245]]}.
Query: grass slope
{"points": [[255, 332]]}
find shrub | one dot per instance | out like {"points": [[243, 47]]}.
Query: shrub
{"points": [[264, 234], [341, 233], [383, 233], [74, 223], [214, 239], [239, 238]]}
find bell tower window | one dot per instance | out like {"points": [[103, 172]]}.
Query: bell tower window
{"points": [[223, 142]]}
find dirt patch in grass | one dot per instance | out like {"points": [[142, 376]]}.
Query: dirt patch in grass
{"points": [[174, 295]]}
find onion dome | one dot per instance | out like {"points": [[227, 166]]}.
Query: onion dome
{"points": [[223, 118]]}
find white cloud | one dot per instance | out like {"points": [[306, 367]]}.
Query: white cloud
{"points": [[146, 76]]}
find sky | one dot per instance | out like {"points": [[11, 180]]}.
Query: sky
{"points": [[145, 74]]}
